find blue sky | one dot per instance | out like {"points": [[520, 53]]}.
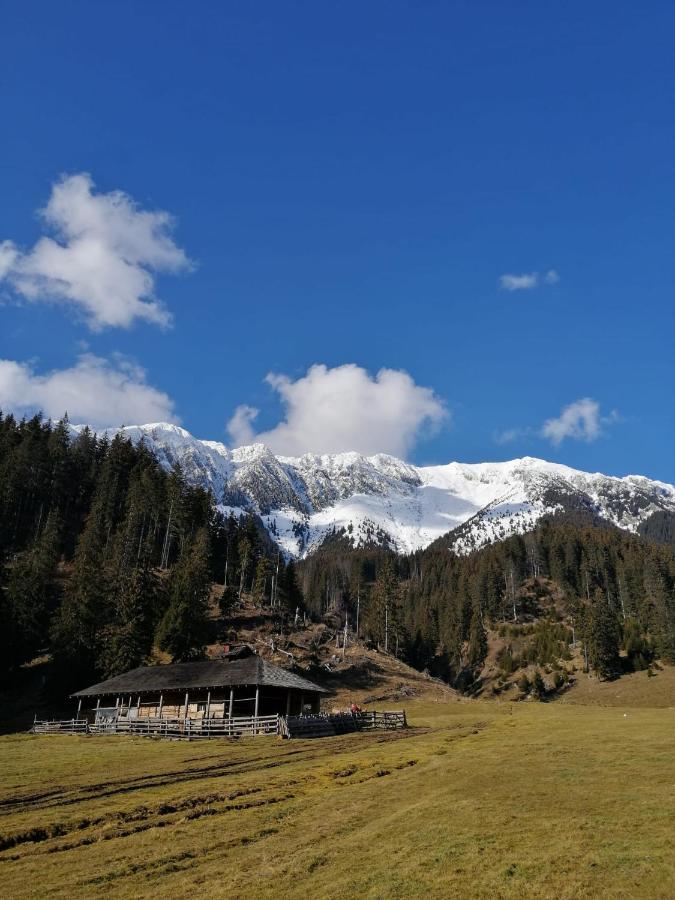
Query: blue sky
{"points": [[349, 182]]}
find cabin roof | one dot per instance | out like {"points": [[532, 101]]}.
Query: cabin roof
{"points": [[212, 673]]}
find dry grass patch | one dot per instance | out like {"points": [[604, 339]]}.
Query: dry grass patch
{"points": [[483, 801]]}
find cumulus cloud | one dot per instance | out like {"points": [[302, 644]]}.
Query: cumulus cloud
{"points": [[580, 420], [94, 391], [344, 408], [527, 281], [102, 259]]}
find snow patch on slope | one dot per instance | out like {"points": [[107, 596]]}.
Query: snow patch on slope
{"points": [[381, 499]]}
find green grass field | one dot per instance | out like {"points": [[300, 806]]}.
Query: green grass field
{"points": [[477, 800]]}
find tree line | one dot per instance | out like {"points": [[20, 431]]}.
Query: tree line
{"points": [[104, 554]]}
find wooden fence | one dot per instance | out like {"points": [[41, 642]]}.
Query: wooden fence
{"points": [[189, 728], [323, 725], [320, 725], [54, 726]]}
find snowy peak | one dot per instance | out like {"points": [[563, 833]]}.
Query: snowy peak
{"points": [[382, 499]]}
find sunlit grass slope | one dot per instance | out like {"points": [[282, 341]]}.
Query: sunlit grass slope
{"points": [[479, 800]]}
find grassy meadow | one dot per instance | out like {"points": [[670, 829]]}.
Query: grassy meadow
{"points": [[476, 800]]}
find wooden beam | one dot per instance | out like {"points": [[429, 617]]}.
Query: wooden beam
{"points": [[79, 707], [186, 705], [257, 703], [161, 704], [208, 705], [231, 702]]}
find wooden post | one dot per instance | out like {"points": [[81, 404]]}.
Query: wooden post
{"points": [[138, 707], [208, 705], [231, 710], [117, 704], [186, 705], [255, 714], [161, 704], [79, 707], [98, 706]]}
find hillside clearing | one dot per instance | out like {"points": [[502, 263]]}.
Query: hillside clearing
{"points": [[478, 800]]}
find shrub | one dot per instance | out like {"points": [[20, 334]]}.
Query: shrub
{"points": [[538, 686]]}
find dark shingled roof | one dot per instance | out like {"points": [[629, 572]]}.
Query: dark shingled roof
{"points": [[211, 673]]}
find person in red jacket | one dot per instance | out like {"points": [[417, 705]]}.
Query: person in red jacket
{"points": [[355, 709]]}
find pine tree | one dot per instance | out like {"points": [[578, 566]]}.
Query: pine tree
{"points": [[127, 641], [290, 594], [259, 589], [31, 594], [478, 645], [383, 611], [84, 611], [538, 686], [184, 628], [603, 637]]}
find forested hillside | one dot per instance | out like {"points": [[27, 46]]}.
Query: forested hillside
{"points": [[103, 554], [107, 557], [561, 585]]}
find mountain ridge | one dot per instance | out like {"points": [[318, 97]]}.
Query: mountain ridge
{"points": [[383, 499]]}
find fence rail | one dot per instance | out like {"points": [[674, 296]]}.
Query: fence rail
{"points": [[323, 725], [164, 726], [319, 725], [54, 726]]}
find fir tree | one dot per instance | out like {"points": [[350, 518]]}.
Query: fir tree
{"points": [[84, 611], [184, 628], [538, 686], [603, 637], [127, 641], [31, 594], [478, 645], [383, 607], [259, 588]]}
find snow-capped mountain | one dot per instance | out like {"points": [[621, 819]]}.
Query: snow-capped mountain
{"points": [[382, 499]]}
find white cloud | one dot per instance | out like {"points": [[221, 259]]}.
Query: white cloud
{"points": [[509, 435], [527, 281], [240, 426], [580, 420], [519, 282], [8, 254], [94, 391], [344, 408], [102, 259]]}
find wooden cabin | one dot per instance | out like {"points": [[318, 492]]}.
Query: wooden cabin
{"points": [[236, 686]]}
